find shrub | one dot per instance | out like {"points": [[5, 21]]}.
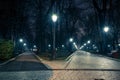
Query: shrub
{"points": [[6, 49]]}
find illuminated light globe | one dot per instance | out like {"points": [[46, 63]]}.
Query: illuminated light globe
{"points": [[21, 40], [89, 42], [106, 29], [24, 44], [71, 39], [54, 17], [34, 46], [63, 46], [49, 45]]}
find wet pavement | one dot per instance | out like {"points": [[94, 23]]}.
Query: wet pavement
{"points": [[85, 66], [79, 66], [86, 60]]}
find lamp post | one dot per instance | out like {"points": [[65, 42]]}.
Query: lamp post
{"points": [[21, 48], [54, 19], [105, 29]]}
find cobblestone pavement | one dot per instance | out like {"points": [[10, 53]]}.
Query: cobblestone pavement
{"points": [[85, 67], [85, 60], [85, 75], [28, 67]]}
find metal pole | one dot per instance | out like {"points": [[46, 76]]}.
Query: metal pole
{"points": [[54, 36], [53, 53]]}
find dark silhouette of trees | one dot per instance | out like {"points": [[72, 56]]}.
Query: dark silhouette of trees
{"points": [[103, 11]]}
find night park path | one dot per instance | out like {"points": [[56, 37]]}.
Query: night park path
{"points": [[83, 65], [25, 67], [28, 66]]}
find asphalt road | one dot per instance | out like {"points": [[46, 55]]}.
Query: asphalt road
{"points": [[85, 60], [25, 67]]}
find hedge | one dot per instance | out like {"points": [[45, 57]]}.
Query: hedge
{"points": [[6, 49]]}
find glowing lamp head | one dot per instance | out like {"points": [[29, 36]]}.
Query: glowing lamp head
{"points": [[21, 40], [106, 29], [54, 17]]}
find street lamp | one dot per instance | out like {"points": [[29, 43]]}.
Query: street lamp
{"points": [[54, 19], [81, 47], [75, 45], [89, 42], [34, 46], [85, 44], [119, 45], [106, 29], [63, 46], [24, 44], [21, 40], [49, 45], [71, 39], [108, 45]]}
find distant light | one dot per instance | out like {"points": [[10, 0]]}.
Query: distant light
{"points": [[49, 45], [21, 40], [106, 29], [95, 47], [24, 44], [85, 44], [108, 45], [34, 46], [97, 50], [54, 17], [34, 49], [89, 42], [63, 46], [81, 47], [71, 39], [56, 49], [75, 45], [118, 44]]}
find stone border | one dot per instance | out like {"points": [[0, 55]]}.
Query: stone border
{"points": [[100, 55], [108, 57], [41, 60]]}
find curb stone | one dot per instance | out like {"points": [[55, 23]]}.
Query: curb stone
{"points": [[41, 61], [108, 57]]}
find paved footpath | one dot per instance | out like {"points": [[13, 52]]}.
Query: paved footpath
{"points": [[61, 73], [28, 67], [25, 67]]}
